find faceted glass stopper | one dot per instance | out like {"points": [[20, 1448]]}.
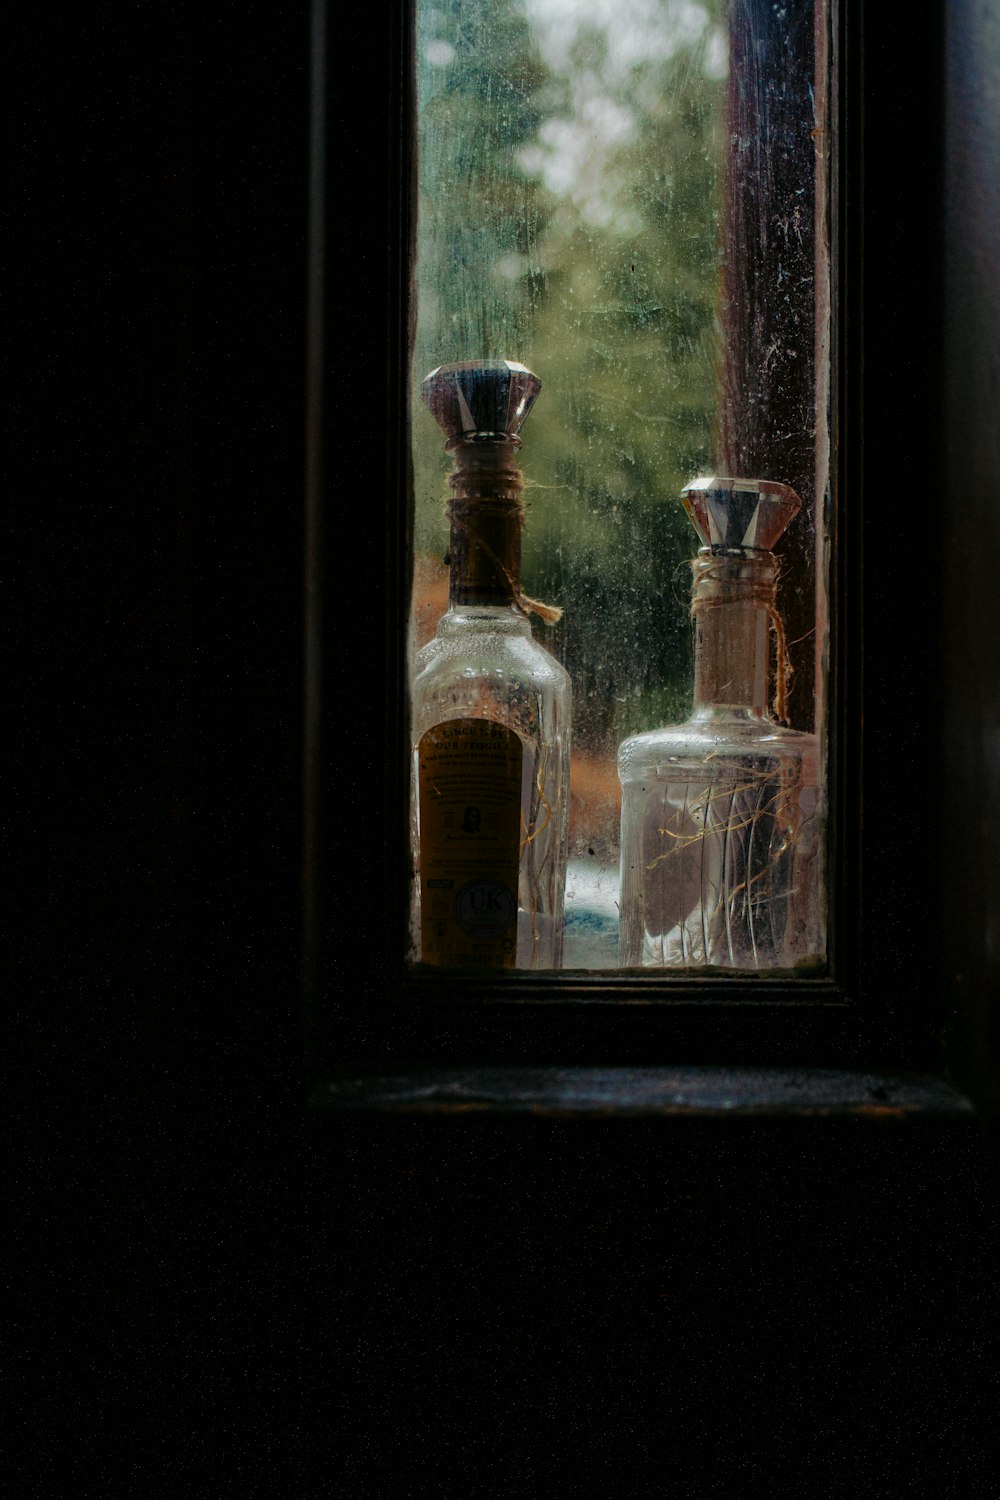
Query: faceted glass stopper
{"points": [[480, 398], [736, 514]]}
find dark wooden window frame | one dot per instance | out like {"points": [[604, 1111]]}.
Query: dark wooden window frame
{"points": [[883, 1005]]}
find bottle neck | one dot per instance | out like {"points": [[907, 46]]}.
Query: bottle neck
{"points": [[732, 604], [486, 519]]}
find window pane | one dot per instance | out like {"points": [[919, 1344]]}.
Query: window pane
{"points": [[589, 174]]}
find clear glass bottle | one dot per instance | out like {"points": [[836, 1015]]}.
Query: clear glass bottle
{"points": [[721, 816], [490, 707]]}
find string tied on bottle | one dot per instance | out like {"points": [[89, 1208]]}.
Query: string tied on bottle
{"points": [[475, 518], [750, 590]]}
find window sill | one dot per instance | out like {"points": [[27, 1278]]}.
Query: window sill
{"points": [[643, 1092]]}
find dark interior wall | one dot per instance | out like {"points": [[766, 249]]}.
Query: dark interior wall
{"points": [[526, 1306], [154, 537], [967, 506], [152, 556]]}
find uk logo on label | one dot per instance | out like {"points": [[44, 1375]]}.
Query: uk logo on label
{"points": [[485, 908]]}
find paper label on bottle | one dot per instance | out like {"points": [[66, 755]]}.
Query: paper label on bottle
{"points": [[469, 773]]}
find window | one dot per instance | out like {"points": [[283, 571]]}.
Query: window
{"points": [[595, 1013], [631, 200], [478, 1191]]}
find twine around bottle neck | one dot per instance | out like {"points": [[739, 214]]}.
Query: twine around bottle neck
{"points": [[732, 592], [487, 517]]}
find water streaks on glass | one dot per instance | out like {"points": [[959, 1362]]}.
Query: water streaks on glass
{"points": [[575, 213]]}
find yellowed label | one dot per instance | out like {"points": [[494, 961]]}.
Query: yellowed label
{"points": [[469, 774]]}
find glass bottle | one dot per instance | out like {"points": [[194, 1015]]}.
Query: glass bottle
{"points": [[721, 816], [490, 707]]}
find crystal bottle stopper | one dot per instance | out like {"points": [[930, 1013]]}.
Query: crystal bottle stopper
{"points": [[480, 400], [739, 515]]}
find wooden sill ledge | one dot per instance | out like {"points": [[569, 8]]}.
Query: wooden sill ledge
{"points": [[701, 1092]]}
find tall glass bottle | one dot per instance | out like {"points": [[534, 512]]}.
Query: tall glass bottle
{"points": [[490, 707], [721, 816]]}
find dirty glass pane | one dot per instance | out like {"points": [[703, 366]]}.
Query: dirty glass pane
{"points": [[624, 196]]}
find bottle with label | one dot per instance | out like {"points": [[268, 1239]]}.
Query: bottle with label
{"points": [[721, 830], [490, 707]]}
